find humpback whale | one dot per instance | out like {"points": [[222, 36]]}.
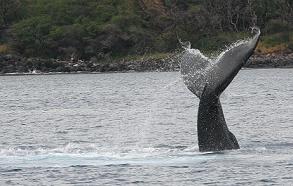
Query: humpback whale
{"points": [[207, 79]]}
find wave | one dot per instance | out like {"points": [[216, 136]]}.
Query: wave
{"points": [[79, 155], [82, 155]]}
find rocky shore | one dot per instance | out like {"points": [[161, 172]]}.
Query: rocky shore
{"points": [[12, 64], [271, 61]]}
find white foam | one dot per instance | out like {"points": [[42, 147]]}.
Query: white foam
{"points": [[75, 154], [197, 52], [233, 45]]}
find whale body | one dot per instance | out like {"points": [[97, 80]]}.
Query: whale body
{"points": [[207, 79]]}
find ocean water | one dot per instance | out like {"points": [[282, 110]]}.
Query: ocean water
{"points": [[140, 129]]}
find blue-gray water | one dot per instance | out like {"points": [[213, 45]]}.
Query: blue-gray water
{"points": [[140, 129]]}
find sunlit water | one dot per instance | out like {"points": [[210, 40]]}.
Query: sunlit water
{"points": [[140, 129]]}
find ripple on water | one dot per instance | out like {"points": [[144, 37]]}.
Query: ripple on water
{"points": [[140, 128]]}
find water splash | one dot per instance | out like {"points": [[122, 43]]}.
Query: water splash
{"points": [[75, 154], [187, 47], [89, 154], [229, 47], [195, 66]]}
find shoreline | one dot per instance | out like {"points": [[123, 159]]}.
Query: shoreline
{"points": [[20, 66], [62, 73], [116, 72]]}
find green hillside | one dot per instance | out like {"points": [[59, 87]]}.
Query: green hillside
{"points": [[107, 29]]}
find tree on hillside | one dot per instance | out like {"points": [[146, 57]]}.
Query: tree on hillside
{"points": [[117, 28], [8, 11], [31, 34]]}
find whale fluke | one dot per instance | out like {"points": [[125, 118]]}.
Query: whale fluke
{"points": [[207, 79]]}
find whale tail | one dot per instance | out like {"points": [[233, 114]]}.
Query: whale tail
{"points": [[213, 132], [207, 79], [228, 64]]}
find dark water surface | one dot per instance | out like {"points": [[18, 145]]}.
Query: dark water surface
{"points": [[140, 129]]}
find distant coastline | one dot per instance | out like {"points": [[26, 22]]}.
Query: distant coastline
{"points": [[16, 65]]}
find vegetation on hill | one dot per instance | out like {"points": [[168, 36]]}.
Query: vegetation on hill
{"points": [[107, 29]]}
